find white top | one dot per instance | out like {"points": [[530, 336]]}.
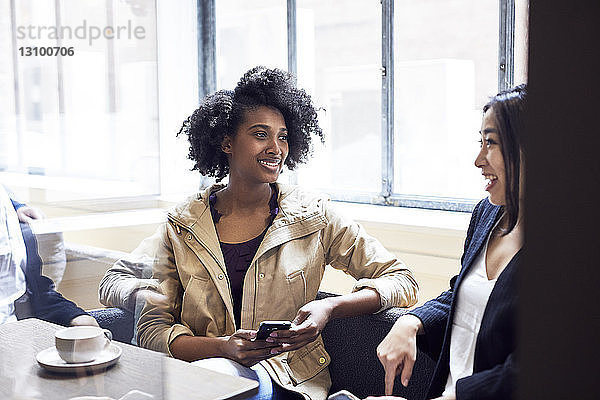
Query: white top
{"points": [[12, 258], [473, 295]]}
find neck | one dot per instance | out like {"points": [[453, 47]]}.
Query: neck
{"points": [[517, 230], [245, 195]]}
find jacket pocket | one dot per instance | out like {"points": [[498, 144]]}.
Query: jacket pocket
{"points": [[305, 363], [202, 309], [297, 287]]}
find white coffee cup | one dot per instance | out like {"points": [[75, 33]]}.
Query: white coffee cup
{"points": [[79, 344]]}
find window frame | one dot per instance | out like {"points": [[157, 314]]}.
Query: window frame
{"points": [[207, 82]]}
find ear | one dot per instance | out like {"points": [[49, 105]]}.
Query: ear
{"points": [[226, 145]]}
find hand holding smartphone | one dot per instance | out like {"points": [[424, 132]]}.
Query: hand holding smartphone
{"points": [[266, 327]]}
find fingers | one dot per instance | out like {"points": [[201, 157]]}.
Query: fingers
{"points": [[241, 348], [289, 341], [245, 334], [392, 365], [34, 213], [23, 217], [252, 357], [409, 363], [390, 377], [248, 343], [300, 317], [28, 214], [396, 366], [292, 337], [307, 327], [83, 320]]}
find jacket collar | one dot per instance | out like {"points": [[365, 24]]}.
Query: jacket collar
{"points": [[300, 214], [489, 215]]}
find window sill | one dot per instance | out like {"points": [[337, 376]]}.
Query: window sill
{"points": [[449, 223]]}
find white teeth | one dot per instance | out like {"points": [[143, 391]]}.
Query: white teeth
{"points": [[489, 179], [269, 164]]}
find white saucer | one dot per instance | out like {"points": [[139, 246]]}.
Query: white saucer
{"points": [[50, 360]]}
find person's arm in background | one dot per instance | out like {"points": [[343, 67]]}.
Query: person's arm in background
{"points": [[46, 302], [129, 281], [25, 213]]}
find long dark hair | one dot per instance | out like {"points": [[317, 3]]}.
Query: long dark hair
{"points": [[508, 107]]}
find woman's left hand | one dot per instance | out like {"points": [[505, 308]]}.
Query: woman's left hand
{"points": [[28, 214], [306, 327]]}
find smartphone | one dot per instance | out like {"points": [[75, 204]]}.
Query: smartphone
{"points": [[266, 327], [342, 395]]}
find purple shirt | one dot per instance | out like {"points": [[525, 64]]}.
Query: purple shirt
{"points": [[238, 256]]}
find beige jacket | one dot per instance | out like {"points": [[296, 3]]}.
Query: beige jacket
{"points": [[285, 274]]}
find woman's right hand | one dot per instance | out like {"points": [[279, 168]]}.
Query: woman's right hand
{"points": [[241, 347], [398, 350]]}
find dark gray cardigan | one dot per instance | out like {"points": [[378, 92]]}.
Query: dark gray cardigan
{"points": [[494, 365]]}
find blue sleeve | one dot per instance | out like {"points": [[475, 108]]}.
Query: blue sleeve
{"points": [[16, 204], [46, 302], [434, 314], [491, 384]]}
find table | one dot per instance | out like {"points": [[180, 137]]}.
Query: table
{"points": [[140, 369]]}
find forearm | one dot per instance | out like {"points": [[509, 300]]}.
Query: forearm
{"points": [[192, 348], [364, 301], [408, 323]]}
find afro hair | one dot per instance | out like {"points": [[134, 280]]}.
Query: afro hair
{"points": [[222, 112]]}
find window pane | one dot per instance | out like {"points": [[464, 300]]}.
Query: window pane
{"points": [[339, 59], [446, 56], [249, 33], [91, 117], [521, 40], [8, 122]]}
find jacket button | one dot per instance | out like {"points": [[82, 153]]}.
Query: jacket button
{"points": [[261, 275], [322, 360], [189, 237], [221, 276]]}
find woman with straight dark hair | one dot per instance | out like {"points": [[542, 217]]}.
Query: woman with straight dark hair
{"points": [[470, 329]]}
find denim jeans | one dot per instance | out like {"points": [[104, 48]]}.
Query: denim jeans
{"points": [[267, 389]]}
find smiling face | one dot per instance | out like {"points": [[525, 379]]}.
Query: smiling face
{"points": [[490, 159], [259, 148]]}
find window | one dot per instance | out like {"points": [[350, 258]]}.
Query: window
{"points": [[249, 33], [402, 84], [89, 125], [444, 71], [339, 58]]}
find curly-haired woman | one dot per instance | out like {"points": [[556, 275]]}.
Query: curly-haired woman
{"points": [[255, 250]]}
